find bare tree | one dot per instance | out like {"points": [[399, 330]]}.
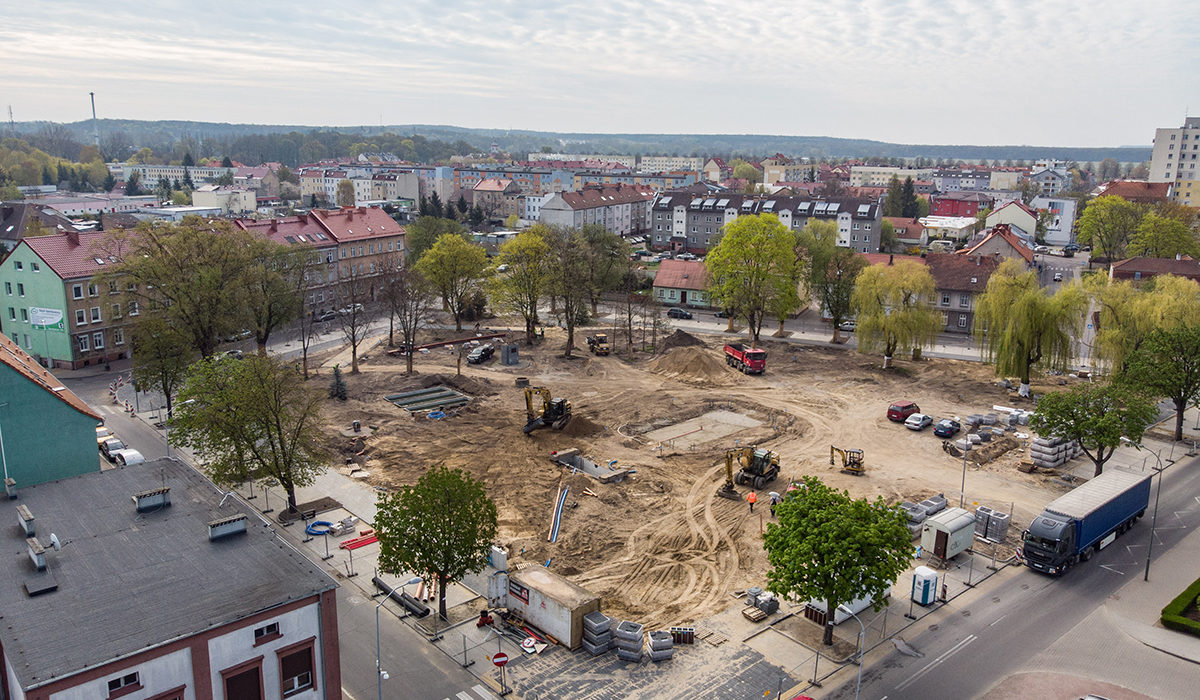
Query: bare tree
{"points": [[410, 303], [353, 294], [566, 280]]}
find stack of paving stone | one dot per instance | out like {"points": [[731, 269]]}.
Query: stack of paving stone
{"points": [[597, 633], [916, 515], [628, 638], [934, 504], [662, 646], [1052, 452], [991, 524]]}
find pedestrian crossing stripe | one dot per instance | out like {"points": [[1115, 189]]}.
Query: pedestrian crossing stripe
{"points": [[481, 693]]}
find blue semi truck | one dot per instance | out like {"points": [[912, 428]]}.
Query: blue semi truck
{"points": [[1085, 520]]}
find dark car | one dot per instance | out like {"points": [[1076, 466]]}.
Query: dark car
{"points": [[947, 428], [481, 354], [677, 312], [901, 410], [109, 447], [723, 313], [1073, 247]]}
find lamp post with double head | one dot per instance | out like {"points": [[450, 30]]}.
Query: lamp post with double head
{"points": [[1157, 492]]}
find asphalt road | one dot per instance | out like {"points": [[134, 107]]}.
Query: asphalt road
{"points": [[968, 653]]}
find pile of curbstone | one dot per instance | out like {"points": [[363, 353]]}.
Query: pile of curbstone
{"points": [[662, 646], [628, 638], [597, 633], [1052, 452], [991, 524]]}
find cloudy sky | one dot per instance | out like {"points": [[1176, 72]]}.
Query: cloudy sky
{"points": [[1095, 73]]}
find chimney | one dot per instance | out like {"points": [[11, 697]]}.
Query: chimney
{"points": [[10, 487], [36, 552], [73, 237], [274, 225], [1179, 256], [25, 519], [226, 527], [152, 499]]}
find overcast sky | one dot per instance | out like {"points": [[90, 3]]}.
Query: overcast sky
{"points": [[1095, 73]]}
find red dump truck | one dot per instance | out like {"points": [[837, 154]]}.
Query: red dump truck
{"points": [[745, 359]]}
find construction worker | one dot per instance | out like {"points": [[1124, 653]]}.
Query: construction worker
{"points": [[752, 498], [774, 502]]}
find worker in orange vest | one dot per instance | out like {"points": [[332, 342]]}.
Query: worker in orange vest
{"points": [[752, 498]]}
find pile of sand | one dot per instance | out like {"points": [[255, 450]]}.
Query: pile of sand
{"points": [[579, 426], [678, 339], [473, 386], [694, 364]]}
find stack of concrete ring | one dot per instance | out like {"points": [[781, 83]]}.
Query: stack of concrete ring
{"points": [[628, 637], [662, 645], [597, 633]]}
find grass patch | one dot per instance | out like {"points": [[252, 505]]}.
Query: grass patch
{"points": [[1183, 613]]}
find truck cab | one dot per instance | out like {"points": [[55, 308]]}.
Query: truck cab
{"points": [[1049, 544], [746, 360]]}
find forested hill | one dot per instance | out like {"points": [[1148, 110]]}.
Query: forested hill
{"points": [[292, 144]]}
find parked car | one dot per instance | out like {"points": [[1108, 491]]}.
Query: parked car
{"points": [[1073, 247], [1058, 277], [350, 309], [481, 354], [918, 421], [899, 411], [947, 428], [235, 354], [109, 448], [1041, 249], [103, 433], [685, 256], [502, 268], [239, 335], [723, 313], [128, 456], [676, 312], [327, 315], [662, 256], [847, 326]]}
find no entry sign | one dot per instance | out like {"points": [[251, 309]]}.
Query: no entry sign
{"points": [[500, 658]]}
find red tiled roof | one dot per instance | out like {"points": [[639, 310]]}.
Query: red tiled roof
{"points": [[1185, 266], [961, 273], [905, 227], [70, 255], [290, 230], [597, 196], [356, 223], [682, 274], [1137, 191], [492, 184], [12, 355], [1004, 232]]}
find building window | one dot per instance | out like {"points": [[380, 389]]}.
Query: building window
{"points": [[245, 681], [133, 308], [945, 299], [962, 320], [93, 290], [96, 314], [20, 289], [24, 314], [36, 267], [80, 317], [118, 336], [116, 311], [112, 287], [8, 288], [964, 301], [123, 685], [17, 265], [84, 345], [296, 670], [12, 314], [98, 340]]}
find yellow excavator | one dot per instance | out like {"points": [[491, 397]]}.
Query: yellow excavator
{"points": [[758, 468], [852, 459], [554, 412]]}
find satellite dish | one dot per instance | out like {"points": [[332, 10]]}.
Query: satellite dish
{"points": [[55, 543]]}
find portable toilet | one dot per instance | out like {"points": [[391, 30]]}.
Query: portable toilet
{"points": [[948, 533], [924, 585]]}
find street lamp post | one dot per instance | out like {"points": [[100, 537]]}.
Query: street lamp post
{"points": [[379, 672], [1157, 492], [862, 642], [962, 492]]}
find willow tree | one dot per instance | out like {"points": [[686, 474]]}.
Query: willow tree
{"points": [[891, 312], [753, 269], [1129, 313], [1022, 326]]}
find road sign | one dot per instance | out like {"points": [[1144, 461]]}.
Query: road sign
{"points": [[500, 658]]}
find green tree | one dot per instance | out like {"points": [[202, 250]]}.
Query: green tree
{"points": [[1130, 312], [435, 205], [133, 184], [605, 261], [1108, 224], [911, 209], [1028, 189], [568, 251], [337, 385], [830, 547], [1021, 325], [345, 193], [526, 280], [752, 267], [893, 204], [1110, 169], [188, 161], [891, 311], [285, 174], [180, 198], [510, 222], [10, 193], [252, 419], [832, 271], [1162, 237], [275, 286], [455, 268], [749, 173], [1097, 415], [441, 527], [226, 162], [421, 234], [888, 241], [1168, 364], [160, 357], [477, 216], [225, 178]]}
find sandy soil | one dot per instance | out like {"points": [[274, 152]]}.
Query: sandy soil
{"points": [[661, 548]]}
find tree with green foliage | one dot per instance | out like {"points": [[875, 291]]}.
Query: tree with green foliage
{"points": [[1108, 224], [188, 161], [345, 194], [133, 184], [409, 300], [893, 204], [285, 174], [275, 286], [910, 209], [455, 268], [1028, 188], [605, 262], [752, 268], [337, 385], [463, 207], [161, 357], [435, 205], [526, 278], [252, 419], [568, 266], [1097, 415], [10, 193], [510, 222], [827, 546], [440, 528], [744, 170], [1022, 326], [888, 240], [832, 271], [421, 234], [225, 179], [226, 162], [1160, 236], [477, 217], [891, 311], [1130, 312], [1168, 365]]}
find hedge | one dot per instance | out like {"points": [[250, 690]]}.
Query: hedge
{"points": [[1172, 614]]}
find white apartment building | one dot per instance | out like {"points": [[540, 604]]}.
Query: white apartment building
{"points": [[666, 164], [881, 175], [1174, 158]]}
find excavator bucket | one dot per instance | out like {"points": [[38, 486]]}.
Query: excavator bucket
{"points": [[728, 491]]}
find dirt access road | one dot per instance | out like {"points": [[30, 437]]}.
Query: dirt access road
{"points": [[661, 548]]}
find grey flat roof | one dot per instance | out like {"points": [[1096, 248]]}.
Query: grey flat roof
{"points": [[129, 581]]}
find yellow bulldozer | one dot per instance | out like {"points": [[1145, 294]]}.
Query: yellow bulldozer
{"points": [[852, 459], [554, 412], [758, 468]]}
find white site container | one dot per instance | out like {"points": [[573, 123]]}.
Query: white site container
{"points": [[551, 603], [948, 533]]}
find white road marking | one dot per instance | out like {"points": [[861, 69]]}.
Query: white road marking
{"points": [[483, 692], [464, 696], [998, 619], [950, 652], [1106, 566], [106, 409]]}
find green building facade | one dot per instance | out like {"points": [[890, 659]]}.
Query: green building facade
{"points": [[28, 283]]}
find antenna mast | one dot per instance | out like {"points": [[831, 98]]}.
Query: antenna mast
{"points": [[95, 129]]}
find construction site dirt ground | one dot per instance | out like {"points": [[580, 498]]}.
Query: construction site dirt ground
{"points": [[661, 548]]}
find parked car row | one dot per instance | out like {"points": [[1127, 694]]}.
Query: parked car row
{"points": [[114, 450], [909, 413]]}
